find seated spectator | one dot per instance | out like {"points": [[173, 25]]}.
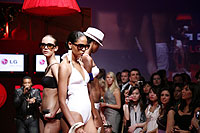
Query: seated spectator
{"points": [[134, 111], [177, 78], [157, 80], [197, 76], [179, 119], [145, 91], [195, 123], [177, 93], [186, 78], [152, 111], [166, 99]]}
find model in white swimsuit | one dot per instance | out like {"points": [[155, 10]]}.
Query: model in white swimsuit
{"points": [[78, 97]]}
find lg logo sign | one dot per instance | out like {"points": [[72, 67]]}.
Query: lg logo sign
{"points": [[5, 61], [42, 62]]}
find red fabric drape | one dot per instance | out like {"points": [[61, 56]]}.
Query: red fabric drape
{"points": [[50, 7]]}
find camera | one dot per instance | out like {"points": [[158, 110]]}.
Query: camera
{"points": [[198, 115], [140, 83]]}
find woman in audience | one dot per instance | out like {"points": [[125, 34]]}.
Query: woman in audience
{"points": [[166, 99], [145, 92], [50, 113], [134, 110], [112, 102], [179, 120], [195, 123], [72, 84], [152, 111], [156, 80], [177, 93]]}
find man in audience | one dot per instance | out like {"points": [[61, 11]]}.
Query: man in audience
{"points": [[124, 78]]}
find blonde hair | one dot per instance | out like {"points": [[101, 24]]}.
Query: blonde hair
{"points": [[114, 84]]}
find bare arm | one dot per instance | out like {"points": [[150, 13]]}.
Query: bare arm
{"points": [[63, 79], [117, 96], [170, 121], [126, 111], [88, 63], [54, 70]]}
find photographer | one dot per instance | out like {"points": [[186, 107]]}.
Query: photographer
{"points": [[26, 101]]}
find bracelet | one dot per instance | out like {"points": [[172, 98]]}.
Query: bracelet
{"points": [[75, 126]]}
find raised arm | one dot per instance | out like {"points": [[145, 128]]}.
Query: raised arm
{"points": [[18, 98]]}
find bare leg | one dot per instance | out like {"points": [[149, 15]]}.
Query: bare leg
{"points": [[52, 126], [161, 26], [98, 122], [90, 127], [64, 126], [147, 45], [41, 125]]}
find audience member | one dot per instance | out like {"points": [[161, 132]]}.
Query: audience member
{"points": [[146, 88], [157, 81], [177, 93], [177, 78], [124, 78], [186, 78], [166, 99], [152, 111], [179, 119], [134, 111], [118, 76], [112, 102], [197, 76]]}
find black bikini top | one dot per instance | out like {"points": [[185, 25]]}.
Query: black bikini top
{"points": [[48, 81]]}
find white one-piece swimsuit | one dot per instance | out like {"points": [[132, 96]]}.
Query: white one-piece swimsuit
{"points": [[78, 97]]}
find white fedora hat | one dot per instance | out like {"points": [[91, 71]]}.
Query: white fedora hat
{"points": [[95, 34]]}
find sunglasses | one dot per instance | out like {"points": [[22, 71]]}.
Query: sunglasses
{"points": [[48, 45], [81, 46]]}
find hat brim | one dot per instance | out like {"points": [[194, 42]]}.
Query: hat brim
{"points": [[88, 35]]}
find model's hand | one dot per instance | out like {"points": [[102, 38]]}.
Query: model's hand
{"points": [[80, 130]]}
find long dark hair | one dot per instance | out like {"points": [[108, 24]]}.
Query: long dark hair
{"points": [[155, 90], [169, 105], [192, 87], [140, 102]]}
